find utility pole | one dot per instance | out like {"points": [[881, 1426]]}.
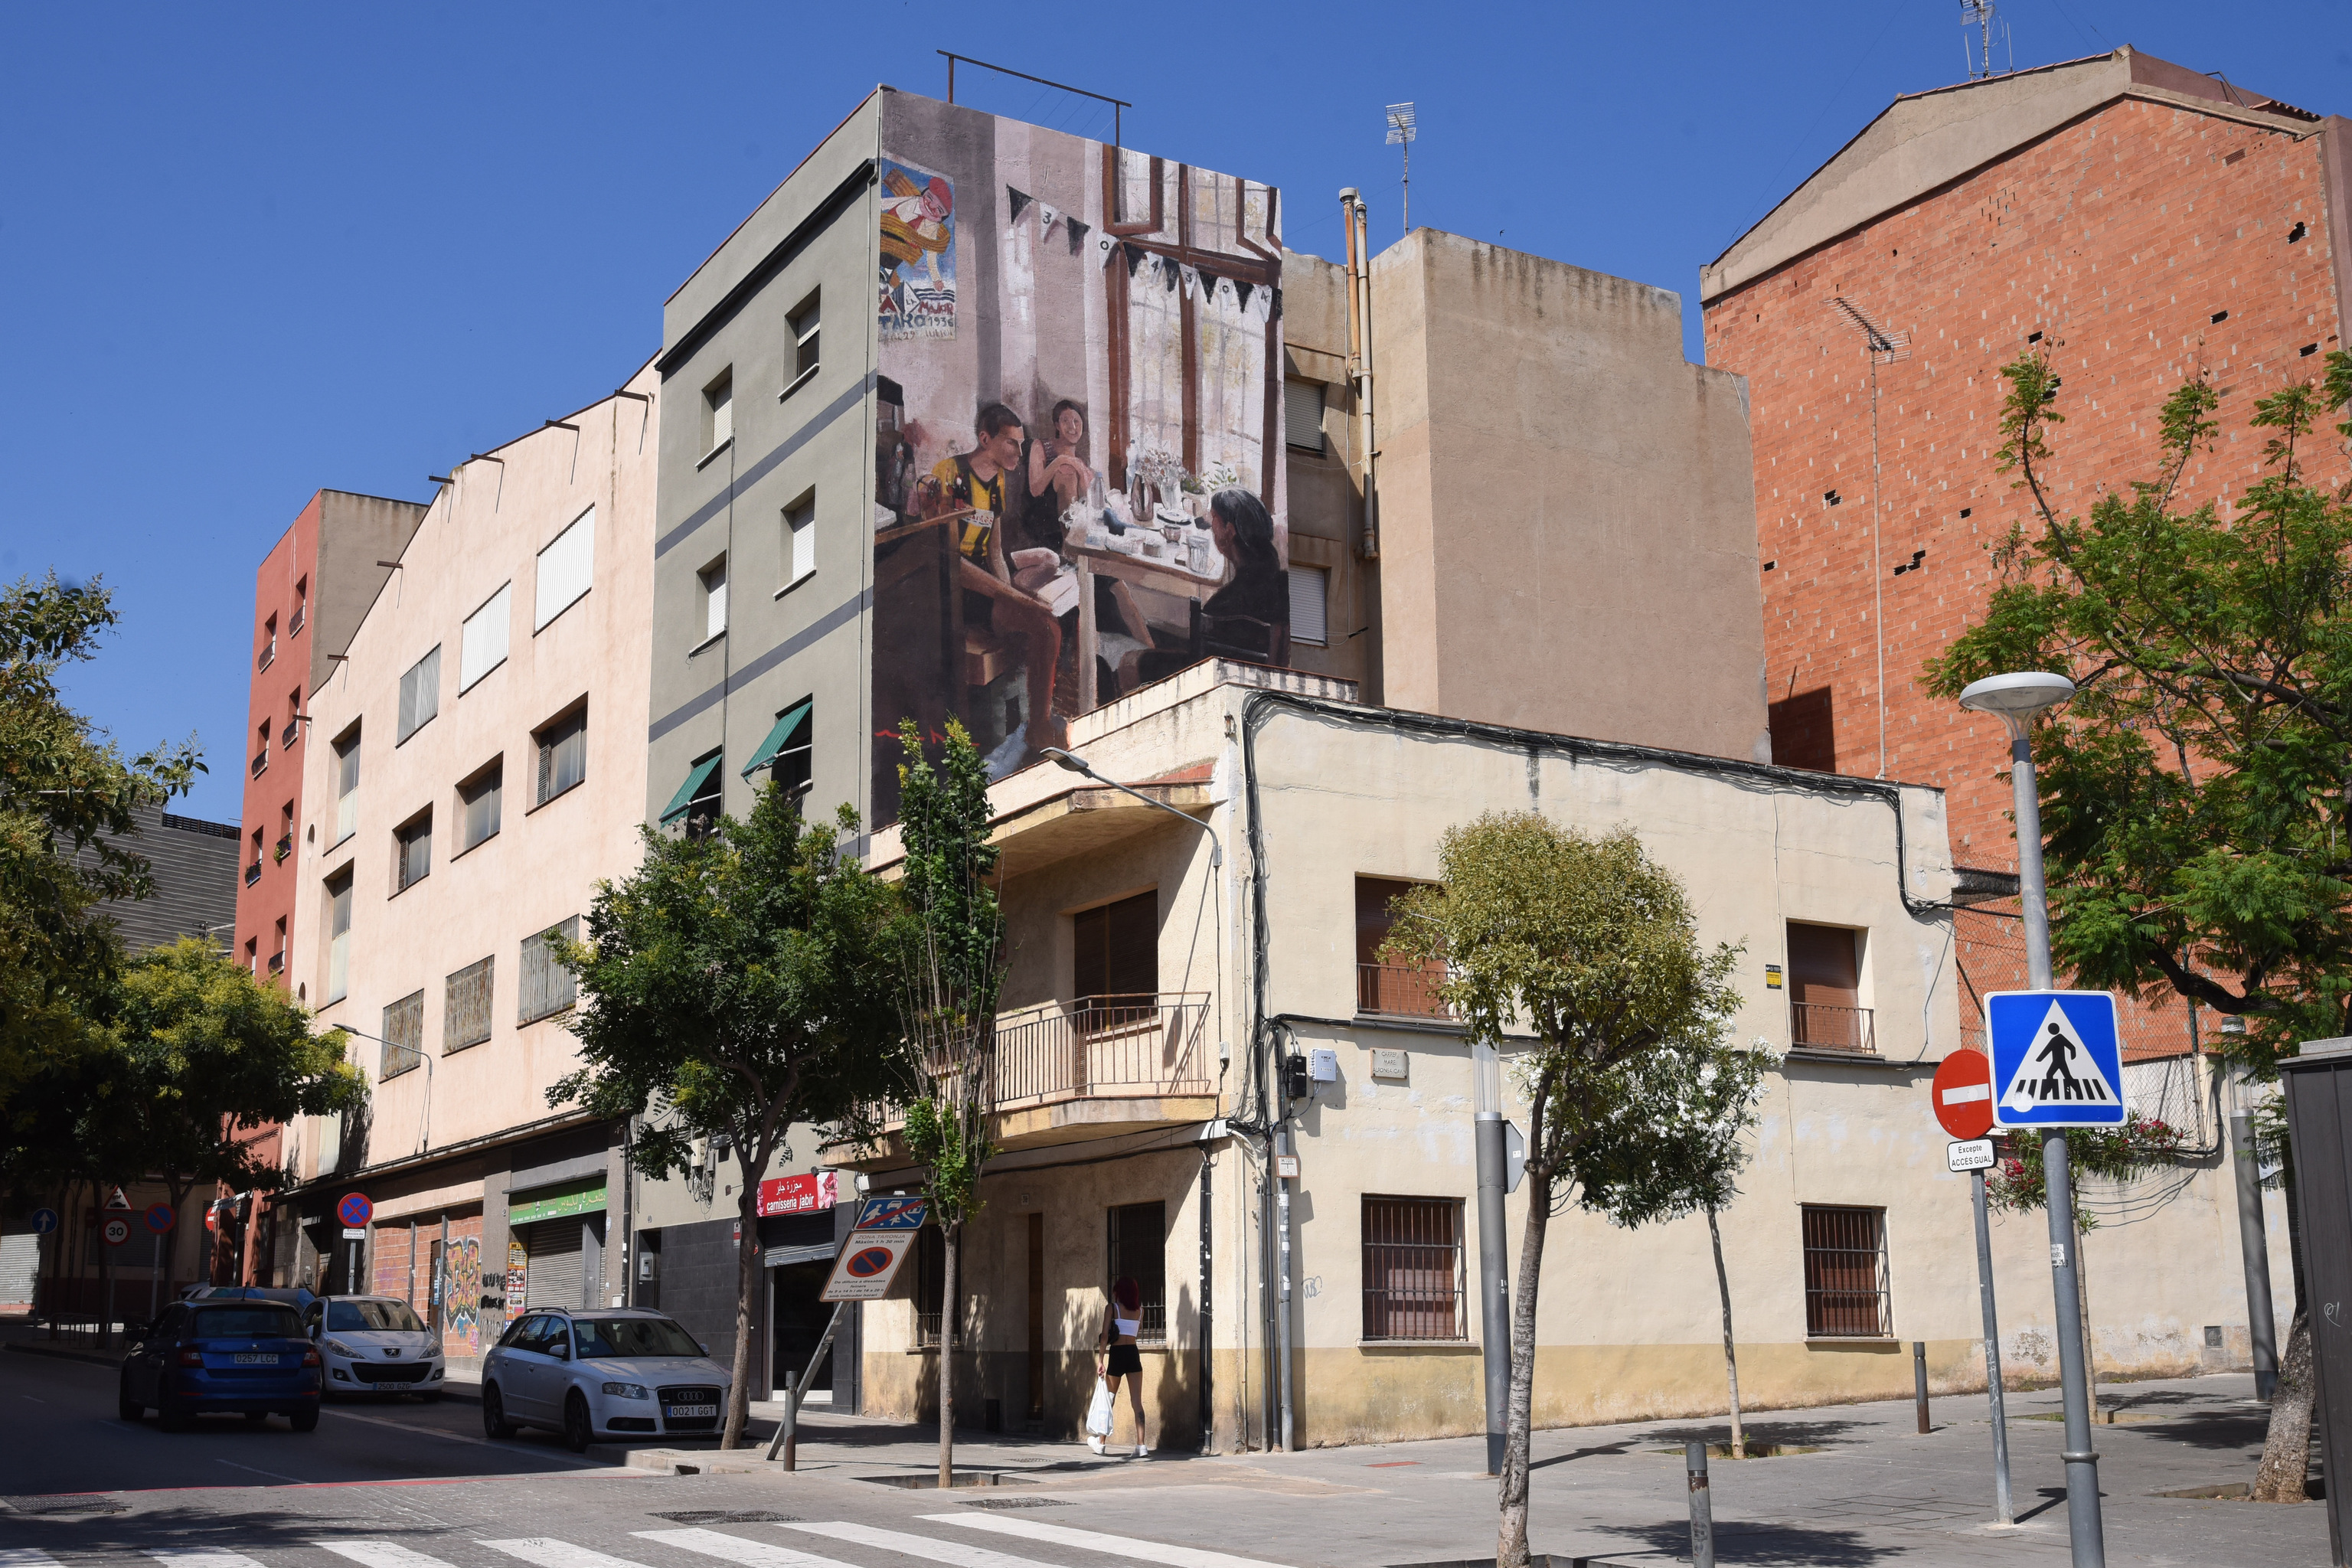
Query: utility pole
{"points": [[1493, 1279], [2253, 1244]]}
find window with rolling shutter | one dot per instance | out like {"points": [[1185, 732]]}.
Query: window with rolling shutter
{"points": [[1309, 612], [482, 640], [548, 987], [1302, 415], [552, 1276], [565, 569], [1116, 951], [466, 1006], [420, 693], [403, 1034]]}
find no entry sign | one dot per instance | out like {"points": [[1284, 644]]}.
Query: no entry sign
{"points": [[1963, 1095]]}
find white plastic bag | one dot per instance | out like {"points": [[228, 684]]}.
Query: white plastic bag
{"points": [[1099, 1412]]}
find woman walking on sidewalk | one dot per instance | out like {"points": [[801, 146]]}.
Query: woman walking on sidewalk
{"points": [[1120, 1360]]}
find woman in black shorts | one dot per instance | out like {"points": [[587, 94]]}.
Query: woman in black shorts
{"points": [[1121, 1359]]}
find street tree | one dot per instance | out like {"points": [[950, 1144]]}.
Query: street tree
{"points": [[2197, 792], [950, 940], [1679, 1149], [67, 799], [735, 985], [1592, 947]]}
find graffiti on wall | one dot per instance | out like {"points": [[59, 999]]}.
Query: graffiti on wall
{"points": [[461, 1299], [517, 1277]]}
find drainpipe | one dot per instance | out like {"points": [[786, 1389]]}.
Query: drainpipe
{"points": [[1282, 1258], [1356, 219]]}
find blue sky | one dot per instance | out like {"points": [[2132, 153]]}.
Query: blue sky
{"points": [[249, 252]]}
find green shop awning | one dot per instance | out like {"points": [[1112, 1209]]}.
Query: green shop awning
{"points": [[792, 725], [696, 777], [584, 1194]]}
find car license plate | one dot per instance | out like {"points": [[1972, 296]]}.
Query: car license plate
{"points": [[255, 1358], [680, 1412]]}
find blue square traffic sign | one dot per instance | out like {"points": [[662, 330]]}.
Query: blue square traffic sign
{"points": [[2057, 1059]]}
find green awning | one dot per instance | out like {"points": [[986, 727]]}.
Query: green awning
{"points": [[792, 725], [696, 777], [583, 1195]]}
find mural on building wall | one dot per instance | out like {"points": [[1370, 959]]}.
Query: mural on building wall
{"points": [[1078, 474], [461, 1302], [517, 1277]]}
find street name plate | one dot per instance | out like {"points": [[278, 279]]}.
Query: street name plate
{"points": [[1969, 1154]]}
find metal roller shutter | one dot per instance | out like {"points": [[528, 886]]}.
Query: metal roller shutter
{"points": [[20, 1262], [553, 1278]]}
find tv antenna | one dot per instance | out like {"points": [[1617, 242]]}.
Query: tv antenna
{"points": [[1401, 132], [1978, 14]]}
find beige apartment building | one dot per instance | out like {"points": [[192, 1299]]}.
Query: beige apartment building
{"points": [[477, 763], [1152, 998]]}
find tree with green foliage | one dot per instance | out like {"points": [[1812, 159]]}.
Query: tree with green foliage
{"points": [[1592, 946], [1678, 1148], [67, 799], [950, 940], [2197, 792], [737, 984]]}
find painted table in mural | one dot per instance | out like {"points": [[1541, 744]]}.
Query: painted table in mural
{"points": [[1142, 571]]}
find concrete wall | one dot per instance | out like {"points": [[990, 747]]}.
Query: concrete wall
{"points": [[1326, 496], [1563, 498]]}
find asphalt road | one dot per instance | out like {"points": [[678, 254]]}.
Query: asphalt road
{"points": [[59, 1433]]}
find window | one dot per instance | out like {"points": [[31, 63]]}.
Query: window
{"points": [[1389, 984], [548, 987], [718, 412], [301, 606], [420, 695], [565, 567], [1824, 986], [403, 1034], [347, 784], [268, 654], [563, 755], [278, 953], [1412, 1268], [801, 323], [713, 579], [1302, 415], [413, 851], [253, 867], [1138, 1251], [483, 646], [800, 539], [1116, 950], [261, 749], [466, 1008], [478, 799], [1846, 1292], [293, 720], [1309, 617], [787, 753], [285, 831], [253, 955], [930, 1287], [695, 804], [338, 936]]}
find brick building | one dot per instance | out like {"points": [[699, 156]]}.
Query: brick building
{"points": [[2140, 223]]}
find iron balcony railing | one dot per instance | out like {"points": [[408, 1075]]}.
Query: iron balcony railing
{"points": [[1407, 990], [286, 737], [1823, 1028], [1141, 1046], [268, 653], [260, 759], [301, 613], [253, 874], [277, 963]]}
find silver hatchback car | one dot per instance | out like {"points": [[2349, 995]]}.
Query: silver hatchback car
{"points": [[596, 1371]]}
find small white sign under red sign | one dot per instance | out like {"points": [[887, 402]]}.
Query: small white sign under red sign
{"points": [[798, 1194]]}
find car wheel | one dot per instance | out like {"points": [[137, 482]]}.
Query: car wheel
{"points": [[172, 1417], [125, 1406], [304, 1420], [577, 1432], [494, 1413]]}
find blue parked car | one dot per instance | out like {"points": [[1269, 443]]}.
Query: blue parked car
{"points": [[249, 1356]]}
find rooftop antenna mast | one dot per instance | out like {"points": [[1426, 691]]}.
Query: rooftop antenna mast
{"points": [[1401, 132], [1978, 14]]}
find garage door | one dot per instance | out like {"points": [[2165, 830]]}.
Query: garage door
{"points": [[20, 1262], [552, 1279]]}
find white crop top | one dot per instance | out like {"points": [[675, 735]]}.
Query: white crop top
{"points": [[1126, 1326]]}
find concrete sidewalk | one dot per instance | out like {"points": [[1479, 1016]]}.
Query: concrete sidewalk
{"points": [[1855, 1485]]}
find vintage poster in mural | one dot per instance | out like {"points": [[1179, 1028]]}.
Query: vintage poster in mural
{"points": [[919, 258], [461, 1301], [1079, 461], [518, 1278]]}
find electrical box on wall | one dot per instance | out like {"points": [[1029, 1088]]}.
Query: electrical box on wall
{"points": [[1323, 1064]]}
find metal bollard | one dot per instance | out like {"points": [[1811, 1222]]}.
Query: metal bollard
{"points": [[1919, 1382], [791, 1426], [1702, 1507]]}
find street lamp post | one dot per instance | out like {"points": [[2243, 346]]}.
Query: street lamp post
{"points": [[2016, 699]]}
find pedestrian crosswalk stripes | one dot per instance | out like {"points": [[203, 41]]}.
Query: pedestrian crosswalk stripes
{"points": [[200, 1557], [955, 1552], [552, 1553], [1093, 1541], [381, 1554], [736, 1550], [26, 1557]]}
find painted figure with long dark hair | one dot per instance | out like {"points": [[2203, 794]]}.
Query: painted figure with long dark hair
{"points": [[1249, 617]]}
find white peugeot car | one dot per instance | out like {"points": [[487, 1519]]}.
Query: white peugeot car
{"points": [[622, 1372], [373, 1344]]}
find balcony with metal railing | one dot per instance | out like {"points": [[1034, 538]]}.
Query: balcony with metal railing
{"points": [[286, 736], [267, 655], [1821, 1027], [253, 874], [1096, 1067], [261, 761], [1402, 991], [278, 963], [301, 613]]}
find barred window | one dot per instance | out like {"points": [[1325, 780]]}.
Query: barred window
{"points": [[1139, 1250], [548, 987], [403, 1034], [931, 1285], [1846, 1277], [466, 1008], [1412, 1268]]}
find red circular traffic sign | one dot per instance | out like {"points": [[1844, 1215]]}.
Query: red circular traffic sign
{"points": [[1963, 1094], [160, 1217], [866, 1262], [355, 1210], [117, 1231]]}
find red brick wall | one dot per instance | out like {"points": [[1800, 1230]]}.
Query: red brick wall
{"points": [[461, 1329], [2117, 238]]}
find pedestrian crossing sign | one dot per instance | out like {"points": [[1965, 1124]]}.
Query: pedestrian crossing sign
{"points": [[2057, 1059]]}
